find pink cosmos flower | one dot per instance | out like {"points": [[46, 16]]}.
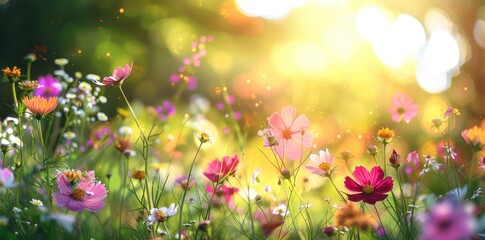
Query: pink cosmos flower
{"points": [[288, 133], [481, 163], [269, 222], [403, 108], [370, 187], [222, 192], [48, 86], [220, 170], [413, 157], [79, 192], [119, 75], [323, 161], [7, 178]]}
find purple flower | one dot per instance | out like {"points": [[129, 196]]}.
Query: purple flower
{"points": [[165, 111], [49, 86], [80, 191], [448, 219]]}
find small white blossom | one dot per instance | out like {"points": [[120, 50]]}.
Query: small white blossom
{"points": [[37, 202], [161, 214], [17, 210], [102, 117], [281, 210]]}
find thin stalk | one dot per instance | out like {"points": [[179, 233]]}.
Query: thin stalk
{"points": [[185, 190], [336, 189]]}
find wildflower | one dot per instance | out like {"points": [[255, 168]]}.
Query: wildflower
{"points": [[4, 146], [371, 187], [123, 143], [28, 86], [281, 210], [346, 155], [403, 108], [385, 135], [13, 73], [437, 123], [7, 178], [268, 223], [84, 194], [323, 161], [286, 173], [40, 106], [329, 231], [448, 219], [102, 117], [203, 226], [255, 175], [163, 112], [450, 110], [30, 57], [36, 202], [182, 182], [16, 210], [161, 214], [475, 137], [349, 215], [48, 86], [61, 61], [204, 137], [139, 175], [123, 113], [125, 130], [69, 135], [220, 170], [413, 157], [290, 132], [222, 192], [117, 78], [372, 150], [394, 159]]}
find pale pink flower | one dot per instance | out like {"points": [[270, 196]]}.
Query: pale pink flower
{"points": [[119, 75], [403, 108], [7, 178], [289, 133], [323, 163]]}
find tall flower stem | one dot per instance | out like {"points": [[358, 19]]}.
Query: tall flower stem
{"points": [[380, 221], [45, 160], [133, 113], [14, 92], [336, 189], [186, 189], [384, 159]]}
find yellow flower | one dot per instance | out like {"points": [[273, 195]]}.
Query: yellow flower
{"points": [[15, 72], [475, 137], [385, 135], [350, 215], [40, 106]]}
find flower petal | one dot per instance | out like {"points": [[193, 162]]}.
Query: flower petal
{"points": [[276, 122], [356, 197], [293, 149], [361, 175], [288, 115], [384, 186], [300, 123], [352, 185], [376, 175]]}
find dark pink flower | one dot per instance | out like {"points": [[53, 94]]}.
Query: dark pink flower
{"points": [[269, 222], [79, 192], [289, 133], [222, 192], [220, 170], [119, 75], [182, 182], [403, 108], [370, 187], [413, 157]]}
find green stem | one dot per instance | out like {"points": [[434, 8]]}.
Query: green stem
{"points": [[336, 189], [186, 189], [14, 92], [133, 113]]}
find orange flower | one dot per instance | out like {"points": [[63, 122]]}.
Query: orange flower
{"points": [[40, 106], [15, 72]]}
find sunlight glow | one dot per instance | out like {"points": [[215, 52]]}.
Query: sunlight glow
{"points": [[269, 9], [372, 23]]}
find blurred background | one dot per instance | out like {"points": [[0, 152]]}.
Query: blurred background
{"points": [[338, 61]]}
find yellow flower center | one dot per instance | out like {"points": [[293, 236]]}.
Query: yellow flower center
{"points": [[401, 110], [78, 194], [368, 189], [287, 134], [160, 216], [325, 166]]}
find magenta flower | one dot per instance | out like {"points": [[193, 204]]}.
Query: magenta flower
{"points": [[448, 220], [370, 187], [119, 75], [165, 111], [269, 222], [223, 192], [323, 163], [79, 192], [403, 108], [182, 181], [288, 134], [7, 178], [48, 86], [220, 170]]}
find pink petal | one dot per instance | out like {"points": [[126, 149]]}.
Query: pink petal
{"points": [[300, 123], [276, 122], [314, 170], [63, 184], [361, 175], [280, 148], [288, 115], [356, 197], [293, 149], [74, 205], [307, 139], [61, 199], [93, 206], [376, 175], [352, 185], [384, 186], [374, 197]]}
